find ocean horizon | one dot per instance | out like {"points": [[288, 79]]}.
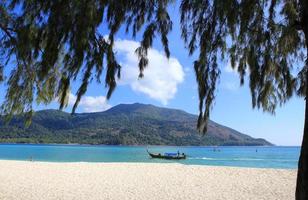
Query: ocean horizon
{"points": [[279, 157]]}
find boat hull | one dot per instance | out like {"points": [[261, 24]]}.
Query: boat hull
{"points": [[179, 157]]}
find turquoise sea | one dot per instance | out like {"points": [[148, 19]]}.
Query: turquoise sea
{"points": [[258, 157]]}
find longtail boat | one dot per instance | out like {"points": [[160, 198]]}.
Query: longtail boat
{"points": [[168, 156]]}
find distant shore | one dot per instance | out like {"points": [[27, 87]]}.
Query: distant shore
{"points": [[139, 145], [50, 180]]}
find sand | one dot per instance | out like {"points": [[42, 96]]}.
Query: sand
{"points": [[25, 180]]}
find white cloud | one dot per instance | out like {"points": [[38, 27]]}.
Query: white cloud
{"points": [[161, 77], [187, 69], [90, 103]]}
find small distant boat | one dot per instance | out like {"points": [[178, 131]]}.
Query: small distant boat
{"points": [[168, 156]]}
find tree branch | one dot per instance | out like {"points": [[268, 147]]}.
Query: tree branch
{"points": [[7, 30]]}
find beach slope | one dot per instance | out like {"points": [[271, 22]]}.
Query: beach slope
{"points": [[95, 181]]}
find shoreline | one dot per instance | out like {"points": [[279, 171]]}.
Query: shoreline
{"points": [[88, 180], [133, 162]]}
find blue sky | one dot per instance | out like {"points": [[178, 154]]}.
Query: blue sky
{"points": [[171, 83]]}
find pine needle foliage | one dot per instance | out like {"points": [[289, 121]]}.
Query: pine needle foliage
{"points": [[54, 42], [261, 38]]}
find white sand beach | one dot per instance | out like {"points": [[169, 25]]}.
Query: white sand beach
{"points": [[88, 181]]}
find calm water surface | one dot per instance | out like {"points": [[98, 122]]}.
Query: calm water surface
{"points": [[259, 157]]}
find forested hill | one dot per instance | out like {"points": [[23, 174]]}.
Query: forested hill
{"points": [[126, 124]]}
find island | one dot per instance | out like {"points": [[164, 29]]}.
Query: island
{"points": [[124, 124]]}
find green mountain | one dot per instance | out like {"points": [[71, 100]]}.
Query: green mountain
{"points": [[127, 124]]}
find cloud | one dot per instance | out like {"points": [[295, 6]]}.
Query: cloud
{"points": [[161, 77], [90, 103], [187, 69]]}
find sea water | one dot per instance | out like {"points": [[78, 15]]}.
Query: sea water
{"points": [[257, 157]]}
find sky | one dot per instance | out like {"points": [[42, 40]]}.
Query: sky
{"points": [[171, 84]]}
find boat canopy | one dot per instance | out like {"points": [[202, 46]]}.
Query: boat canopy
{"points": [[171, 154]]}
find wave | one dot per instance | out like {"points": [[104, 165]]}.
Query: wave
{"points": [[242, 159], [201, 158]]}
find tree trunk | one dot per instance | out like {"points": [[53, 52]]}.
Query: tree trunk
{"points": [[302, 174]]}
